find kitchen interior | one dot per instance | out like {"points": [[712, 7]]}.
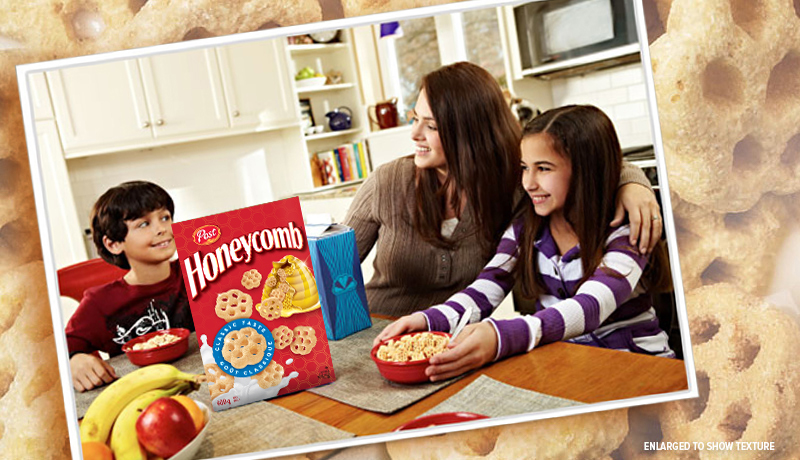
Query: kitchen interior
{"points": [[232, 126]]}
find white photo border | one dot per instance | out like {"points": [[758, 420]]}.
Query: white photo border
{"points": [[24, 71]]}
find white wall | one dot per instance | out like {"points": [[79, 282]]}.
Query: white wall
{"points": [[204, 177], [619, 92]]}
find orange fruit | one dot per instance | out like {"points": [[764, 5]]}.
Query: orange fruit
{"points": [[194, 411], [96, 451]]}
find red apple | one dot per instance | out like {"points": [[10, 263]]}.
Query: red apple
{"points": [[165, 427]]}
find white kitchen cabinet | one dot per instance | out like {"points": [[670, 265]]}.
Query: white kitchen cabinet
{"points": [[184, 93], [257, 84], [124, 105], [65, 231], [40, 97], [100, 107]]}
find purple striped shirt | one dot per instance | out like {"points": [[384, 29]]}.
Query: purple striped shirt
{"points": [[609, 309]]}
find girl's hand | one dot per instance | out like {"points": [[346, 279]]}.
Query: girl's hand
{"points": [[411, 323], [644, 215], [474, 347]]}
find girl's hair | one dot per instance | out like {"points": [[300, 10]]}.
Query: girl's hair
{"points": [[125, 202], [480, 139], [585, 136]]}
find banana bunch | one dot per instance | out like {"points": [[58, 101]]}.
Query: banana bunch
{"points": [[136, 387]]}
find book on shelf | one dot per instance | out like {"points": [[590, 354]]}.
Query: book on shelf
{"points": [[345, 163]]}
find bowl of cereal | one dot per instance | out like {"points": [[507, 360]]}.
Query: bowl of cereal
{"points": [[157, 347], [403, 359]]}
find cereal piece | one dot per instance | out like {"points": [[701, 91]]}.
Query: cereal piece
{"points": [[412, 347], [283, 286], [727, 89], [277, 294], [594, 435], [304, 340], [281, 273], [33, 423], [244, 347], [272, 281], [288, 297], [218, 381], [270, 376], [251, 279], [719, 247], [283, 337], [234, 304], [270, 309], [747, 370], [156, 341], [163, 21]]}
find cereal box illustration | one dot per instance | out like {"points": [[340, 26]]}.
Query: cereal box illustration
{"points": [[254, 301]]}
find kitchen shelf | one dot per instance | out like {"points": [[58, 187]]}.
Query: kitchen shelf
{"points": [[317, 48], [317, 89], [330, 134], [328, 188]]}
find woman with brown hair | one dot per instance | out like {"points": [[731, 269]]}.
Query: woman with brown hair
{"points": [[437, 216]]}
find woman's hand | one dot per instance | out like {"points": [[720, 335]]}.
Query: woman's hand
{"points": [[644, 215], [474, 347], [89, 371], [411, 323]]}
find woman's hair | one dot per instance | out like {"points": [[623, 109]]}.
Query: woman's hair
{"points": [[585, 136], [480, 139], [125, 202]]}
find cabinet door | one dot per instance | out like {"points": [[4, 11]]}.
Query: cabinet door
{"points": [[65, 231], [99, 107], [184, 94], [256, 79]]}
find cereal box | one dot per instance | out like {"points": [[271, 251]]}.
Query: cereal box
{"points": [[340, 281], [254, 301]]}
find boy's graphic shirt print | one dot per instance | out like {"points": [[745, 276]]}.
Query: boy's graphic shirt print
{"points": [[153, 320], [114, 313]]}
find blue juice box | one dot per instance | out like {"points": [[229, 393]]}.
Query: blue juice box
{"points": [[340, 283]]}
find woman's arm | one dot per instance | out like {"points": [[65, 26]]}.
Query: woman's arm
{"points": [[596, 299]]}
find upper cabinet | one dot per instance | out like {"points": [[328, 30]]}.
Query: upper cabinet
{"points": [[100, 107], [170, 98], [257, 84], [184, 93]]}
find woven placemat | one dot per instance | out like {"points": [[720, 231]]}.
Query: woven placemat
{"points": [[262, 426], [487, 396], [358, 382], [189, 362]]}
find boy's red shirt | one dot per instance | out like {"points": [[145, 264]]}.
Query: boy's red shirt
{"points": [[111, 314]]}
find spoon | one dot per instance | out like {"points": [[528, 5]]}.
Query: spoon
{"points": [[460, 326]]}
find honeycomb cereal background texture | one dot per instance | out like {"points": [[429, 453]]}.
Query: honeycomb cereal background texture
{"points": [[727, 75]]}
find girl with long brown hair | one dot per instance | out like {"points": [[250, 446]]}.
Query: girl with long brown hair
{"points": [[591, 285], [438, 215]]}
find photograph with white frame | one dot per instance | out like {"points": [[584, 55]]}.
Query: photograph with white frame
{"points": [[218, 124]]}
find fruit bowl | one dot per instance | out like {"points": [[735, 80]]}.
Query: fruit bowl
{"points": [[445, 418], [160, 354], [403, 372], [191, 449], [311, 82]]}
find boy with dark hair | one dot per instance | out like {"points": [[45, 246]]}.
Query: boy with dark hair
{"points": [[131, 228]]}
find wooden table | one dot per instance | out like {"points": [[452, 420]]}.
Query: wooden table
{"points": [[578, 372]]}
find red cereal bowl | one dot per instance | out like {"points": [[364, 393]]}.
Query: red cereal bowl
{"points": [[160, 354], [445, 418], [403, 372]]}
